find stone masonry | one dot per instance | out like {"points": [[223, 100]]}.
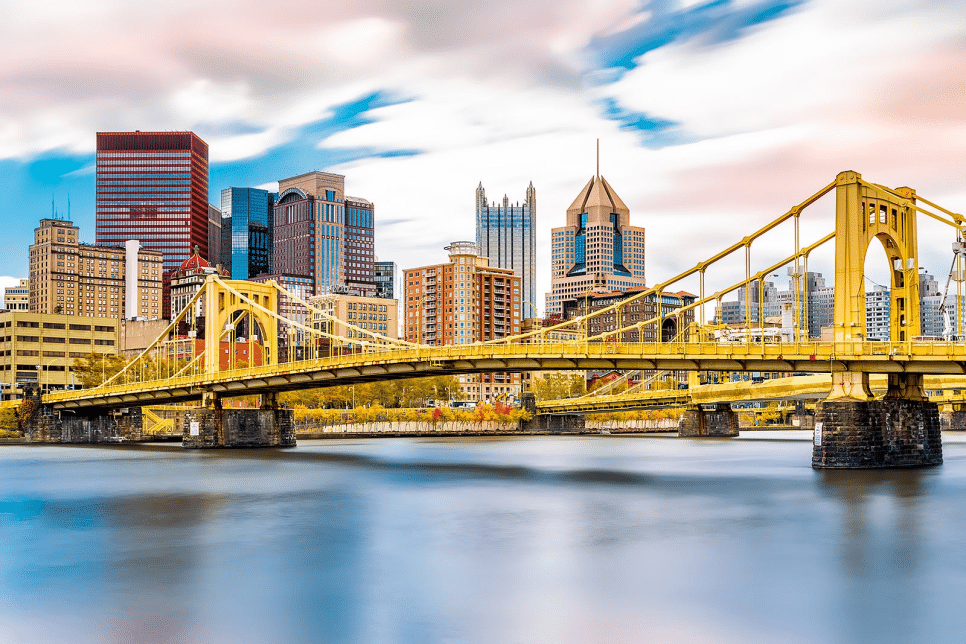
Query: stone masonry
{"points": [[544, 423], [696, 422], [876, 434], [207, 427]]}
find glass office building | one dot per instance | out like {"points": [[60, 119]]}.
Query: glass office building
{"points": [[246, 231], [506, 234], [359, 244], [386, 276]]}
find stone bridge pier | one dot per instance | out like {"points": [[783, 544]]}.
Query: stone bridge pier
{"points": [[696, 422], [553, 423], [953, 417], [853, 431], [212, 425], [82, 427]]}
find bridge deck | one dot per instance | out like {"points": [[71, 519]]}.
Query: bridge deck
{"points": [[814, 357]]}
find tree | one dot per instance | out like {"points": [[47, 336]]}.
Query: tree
{"points": [[409, 392], [772, 414], [554, 386], [96, 368], [8, 418]]}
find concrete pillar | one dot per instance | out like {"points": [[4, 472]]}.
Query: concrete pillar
{"points": [[868, 434], [696, 422], [213, 426]]}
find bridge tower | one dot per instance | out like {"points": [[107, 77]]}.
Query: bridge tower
{"points": [[255, 305], [852, 430]]}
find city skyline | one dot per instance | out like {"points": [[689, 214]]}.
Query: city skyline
{"points": [[712, 116]]}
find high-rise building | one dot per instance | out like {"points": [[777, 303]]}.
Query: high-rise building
{"points": [[878, 305], [506, 234], [17, 298], [246, 231], [461, 302], [752, 301], [153, 187], [386, 277], [320, 233], [72, 278], [598, 249], [359, 243], [309, 229], [214, 236], [820, 299]]}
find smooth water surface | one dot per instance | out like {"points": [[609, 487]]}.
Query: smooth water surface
{"points": [[533, 539]]}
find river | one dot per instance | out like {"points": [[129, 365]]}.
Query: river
{"points": [[494, 540]]}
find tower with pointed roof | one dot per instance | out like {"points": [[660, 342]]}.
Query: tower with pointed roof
{"points": [[598, 250], [506, 235]]}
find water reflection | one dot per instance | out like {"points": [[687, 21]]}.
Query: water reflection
{"points": [[536, 540]]}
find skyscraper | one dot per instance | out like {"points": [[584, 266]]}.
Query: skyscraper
{"points": [[246, 231], [598, 250], [153, 187], [309, 229], [359, 257], [214, 236], [461, 302], [321, 233], [506, 234]]}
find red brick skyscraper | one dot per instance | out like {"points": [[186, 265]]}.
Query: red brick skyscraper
{"points": [[153, 187]]}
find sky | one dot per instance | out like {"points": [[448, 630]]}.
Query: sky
{"points": [[713, 117]]}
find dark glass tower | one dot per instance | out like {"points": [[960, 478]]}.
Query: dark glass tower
{"points": [[359, 257], [246, 231]]}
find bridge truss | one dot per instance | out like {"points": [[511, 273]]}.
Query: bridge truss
{"points": [[236, 338]]}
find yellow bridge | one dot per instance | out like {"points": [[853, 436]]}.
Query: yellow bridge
{"points": [[187, 362], [947, 390], [909, 358]]}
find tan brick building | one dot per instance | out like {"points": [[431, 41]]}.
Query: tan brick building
{"points": [[40, 347], [17, 298], [72, 278], [597, 250], [461, 302], [376, 314]]}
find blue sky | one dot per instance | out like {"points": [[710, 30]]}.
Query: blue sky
{"points": [[714, 117]]}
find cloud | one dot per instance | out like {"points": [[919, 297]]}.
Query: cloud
{"points": [[93, 65], [713, 116]]}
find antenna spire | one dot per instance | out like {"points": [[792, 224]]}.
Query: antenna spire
{"points": [[598, 158]]}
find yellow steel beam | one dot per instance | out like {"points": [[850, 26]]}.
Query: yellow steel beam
{"points": [[813, 387]]}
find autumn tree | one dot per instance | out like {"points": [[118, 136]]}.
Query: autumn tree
{"points": [[97, 368], [555, 386]]}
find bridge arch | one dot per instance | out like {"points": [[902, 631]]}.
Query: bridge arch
{"points": [[669, 329], [227, 308], [865, 212]]}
